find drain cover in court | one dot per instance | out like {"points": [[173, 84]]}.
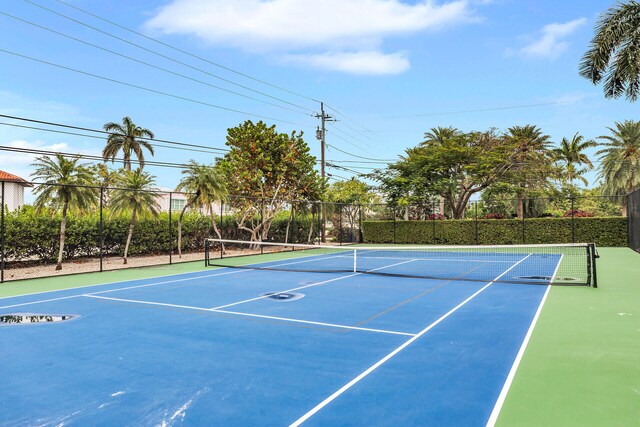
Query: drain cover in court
{"points": [[283, 296]]}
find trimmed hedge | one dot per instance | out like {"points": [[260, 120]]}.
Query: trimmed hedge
{"points": [[32, 236], [608, 231]]}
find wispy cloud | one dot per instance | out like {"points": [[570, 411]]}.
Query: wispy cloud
{"points": [[551, 42], [365, 62], [332, 34]]}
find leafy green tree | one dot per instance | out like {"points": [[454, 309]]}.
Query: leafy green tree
{"points": [[205, 185], [271, 169], [454, 165], [134, 195], [614, 51], [351, 195], [66, 185], [128, 138], [531, 163], [571, 155], [620, 159]]}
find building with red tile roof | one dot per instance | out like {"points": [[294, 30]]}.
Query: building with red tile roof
{"points": [[12, 190]]}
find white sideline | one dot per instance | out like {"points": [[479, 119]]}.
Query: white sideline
{"points": [[379, 363], [307, 286], [493, 418], [236, 313]]}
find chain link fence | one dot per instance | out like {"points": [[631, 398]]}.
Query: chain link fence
{"points": [[168, 227]]}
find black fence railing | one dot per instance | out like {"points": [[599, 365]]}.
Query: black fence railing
{"points": [[633, 209], [169, 229]]}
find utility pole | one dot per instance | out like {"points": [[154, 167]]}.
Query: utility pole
{"points": [[320, 135]]}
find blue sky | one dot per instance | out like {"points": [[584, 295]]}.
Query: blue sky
{"points": [[392, 69]]}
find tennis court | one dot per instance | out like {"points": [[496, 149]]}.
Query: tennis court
{"points": [[324, 343]]}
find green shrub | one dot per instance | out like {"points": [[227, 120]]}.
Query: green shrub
{"points": [[607, 231]]}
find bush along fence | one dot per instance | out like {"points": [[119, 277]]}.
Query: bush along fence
{"points": [[598, 219]]}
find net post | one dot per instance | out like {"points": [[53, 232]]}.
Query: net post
{"points": [[206, 252], [355, 263], [2, 235], [594, 255], [170, 230], [101, 227]]}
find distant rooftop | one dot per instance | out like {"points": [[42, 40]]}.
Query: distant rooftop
{"points": [[8, 177]]}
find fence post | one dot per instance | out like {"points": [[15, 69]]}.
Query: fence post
{"points": [[573, 221], [221, 229], [433, 220], [261, 224], [476, 220], [2, 236], [395, 213], [360, 233], [101, 227], [170, 230], [523, 224], [340, 224]]}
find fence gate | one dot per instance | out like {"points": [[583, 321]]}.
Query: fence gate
{"points": [[633, 210]]}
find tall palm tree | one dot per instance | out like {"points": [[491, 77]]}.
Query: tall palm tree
{"points": [[66, 185], [571, 153], [620, 159], [134, 194], [126, 137], [532, 162], [206, 185], [614, 50], [439, 135]]}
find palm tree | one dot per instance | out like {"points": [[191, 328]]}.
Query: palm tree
{"points": [[613, 52], [620, 159], [440, 135], [66, 185], [126, 137], [571, 152], [532, 162], [134, 194], [206, 186]]}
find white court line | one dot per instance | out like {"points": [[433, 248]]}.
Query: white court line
{"points": [[493, 418], [283, 319], [201, 276], [430, 259], [308, 286], [379, 363]]}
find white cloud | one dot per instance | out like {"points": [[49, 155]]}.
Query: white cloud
{"points": [[329, 31], [551, 43], [364, 62]]}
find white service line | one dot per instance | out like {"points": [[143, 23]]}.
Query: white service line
{"points": [[493, 418], [283, 319], [431, 259], [308, 286], [379, 363]]}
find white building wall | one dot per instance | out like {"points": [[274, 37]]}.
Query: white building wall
{"points": [[14, 195]]}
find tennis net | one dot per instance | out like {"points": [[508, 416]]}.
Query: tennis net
{"points": [[559, 264]]}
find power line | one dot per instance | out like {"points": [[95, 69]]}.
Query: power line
{"points": [[99, 137], [160, 54], [88, 157], [146, 63], [359, 157], [348, 118], [177, 49], [42, 122], [158, 92]]}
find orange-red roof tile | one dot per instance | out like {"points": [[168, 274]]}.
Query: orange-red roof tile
{"points": [[9, 177]]}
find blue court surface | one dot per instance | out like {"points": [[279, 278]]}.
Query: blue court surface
{"points": [[211, 348]]}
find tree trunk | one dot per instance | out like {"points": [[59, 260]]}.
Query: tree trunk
{"points": [[180, 229], [63, 230], [441, 205], [520, 207], [215, 227], [286, 234], [126, 248]]}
